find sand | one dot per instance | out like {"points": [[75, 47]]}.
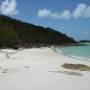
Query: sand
{"points": [[40, 69]]}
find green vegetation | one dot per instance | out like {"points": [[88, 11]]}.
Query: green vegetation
{"points": [[15, 34], [80, 67]]}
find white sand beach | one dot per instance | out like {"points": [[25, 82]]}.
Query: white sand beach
{"points": [[40, 69]]}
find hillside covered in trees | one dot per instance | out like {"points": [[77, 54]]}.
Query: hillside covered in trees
{"points": [[15, 34]]}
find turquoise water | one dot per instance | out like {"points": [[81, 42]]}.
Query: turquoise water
{"points": [[82, 52]]}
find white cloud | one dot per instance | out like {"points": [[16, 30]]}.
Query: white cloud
{"points": [[79, 11], [82, 10], [56, 15], [44, 13], [66, 14], [9, 7]]}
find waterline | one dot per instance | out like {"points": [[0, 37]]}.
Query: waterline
{"points": [[77, 52]]}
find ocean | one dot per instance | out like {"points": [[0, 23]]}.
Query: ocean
{"points": [[80, 52]]}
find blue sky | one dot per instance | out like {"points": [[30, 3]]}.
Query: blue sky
{"points": [[71, 17]]}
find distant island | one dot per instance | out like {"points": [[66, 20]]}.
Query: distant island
{"points": [[17, 34], [84, 41]]}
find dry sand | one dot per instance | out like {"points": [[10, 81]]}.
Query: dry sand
{"points": [[40, 69]]}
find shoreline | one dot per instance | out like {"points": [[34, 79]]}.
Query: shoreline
{"points": [[70, 55]]}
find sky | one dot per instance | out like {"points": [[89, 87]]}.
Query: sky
{"points": [[71, 17]]}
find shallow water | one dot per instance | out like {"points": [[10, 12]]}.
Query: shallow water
{"points": [[77, 51]]}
